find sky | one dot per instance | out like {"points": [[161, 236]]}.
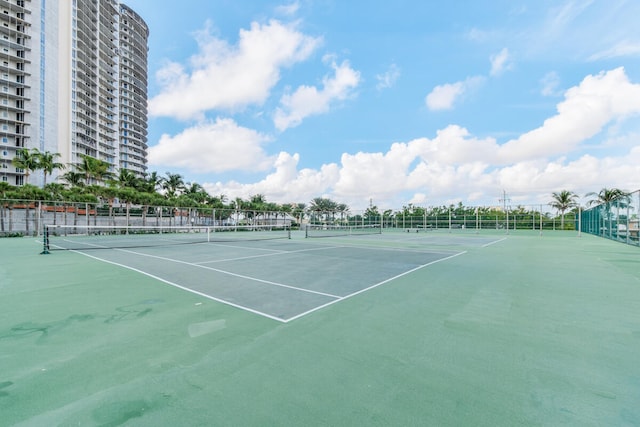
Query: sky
{"points": [[392, 103]]}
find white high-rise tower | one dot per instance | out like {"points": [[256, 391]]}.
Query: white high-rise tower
{"points": [[74, 82]]}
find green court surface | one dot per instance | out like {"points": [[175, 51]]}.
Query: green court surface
{"points": [[397, 329]]}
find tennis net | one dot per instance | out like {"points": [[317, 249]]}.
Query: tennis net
{"points": [[82, 237], [319, 230]]}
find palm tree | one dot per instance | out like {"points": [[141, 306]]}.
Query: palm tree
{"points": [[342, 209], [298, 211], [101, 172], [152, 182], [47, 162], [55, 192], [109, 194], [30, 192], [606, 195], [256, 204], [173, 184], [127, 179], [562, 201], [94, 169], [197, 193], [27, 159], [323, 207], [5, 188], [74, 179], [371, 214]]}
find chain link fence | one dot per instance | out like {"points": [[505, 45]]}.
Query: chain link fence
{"points": [[28, 217], [616, 220]]}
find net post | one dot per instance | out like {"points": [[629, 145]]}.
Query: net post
{"points": [[580, 221], [541, 220], [45, 241]]}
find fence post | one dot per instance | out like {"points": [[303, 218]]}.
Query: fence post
{"points": [[39, 218]]}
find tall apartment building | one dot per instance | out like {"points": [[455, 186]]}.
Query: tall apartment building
{"points": [[133, 47], [74, 82], [15, 85]]}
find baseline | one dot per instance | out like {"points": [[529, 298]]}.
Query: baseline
{"points": [[373, 286]]}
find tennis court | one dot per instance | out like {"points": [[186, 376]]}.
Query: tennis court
{"points": [[399, 328], [269, 273]]}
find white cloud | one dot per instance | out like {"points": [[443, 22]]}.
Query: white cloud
{"points": [[286, 184], [309, 100], [500, 62], [457, 166], [478, 35], [565, 14], [212, 147], [620, 49], [585, 111], [550, 83], [388, 78], [225, 77], [443, 97], [288, 9]]}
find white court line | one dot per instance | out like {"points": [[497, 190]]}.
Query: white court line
{"points": [[264, 255], [415, 251], [84, 243], [336, 300], [182, 287], [244, 247], [495, 241], [372, 286], [217, 270], [80, 242]]}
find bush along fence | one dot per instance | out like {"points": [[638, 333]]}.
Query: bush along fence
{"points": [[28, 217]]}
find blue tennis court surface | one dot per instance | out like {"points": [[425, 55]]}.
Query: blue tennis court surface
{"points": [[397, 329], [286, 279]]}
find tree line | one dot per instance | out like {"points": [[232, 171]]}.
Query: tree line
{"points": [[90, 181]]}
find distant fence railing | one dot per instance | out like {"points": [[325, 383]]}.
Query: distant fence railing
{"points": [[617, 220], [530, 217], [514, 221], [28, 217]]}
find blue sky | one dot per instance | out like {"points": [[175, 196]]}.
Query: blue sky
{"points": [[399, 102]]}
